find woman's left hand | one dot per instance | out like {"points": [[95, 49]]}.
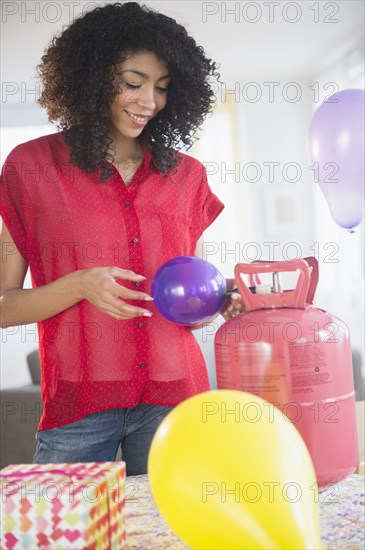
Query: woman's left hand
{"points": [[233, 305]]}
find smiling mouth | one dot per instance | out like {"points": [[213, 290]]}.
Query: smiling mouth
{"points": [[142, 119]]}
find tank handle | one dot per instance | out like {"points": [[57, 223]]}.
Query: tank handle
{"points": [[254, 279], [313, 263], [295, 298]]}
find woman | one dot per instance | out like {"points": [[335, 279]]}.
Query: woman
{"points": [[94, 210]]}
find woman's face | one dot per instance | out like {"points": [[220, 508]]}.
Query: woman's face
{"points": [[143, 93]]}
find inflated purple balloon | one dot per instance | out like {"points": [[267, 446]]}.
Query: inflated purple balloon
{"points": [[336, 142], [188, 290]]}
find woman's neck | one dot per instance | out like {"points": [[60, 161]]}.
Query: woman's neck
{"points": [[125, 149]]}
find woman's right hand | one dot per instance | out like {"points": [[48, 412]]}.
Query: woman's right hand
{"points": [[99, 286]]}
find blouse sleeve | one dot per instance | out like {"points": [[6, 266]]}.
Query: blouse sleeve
{"points": [[12, 203], [206, 206]]}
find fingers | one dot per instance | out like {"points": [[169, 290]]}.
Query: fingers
{"points": [[126, 274], [234, 307], [114, 299], [123, 316], [126, 293], [237, 301], [101, 288], [121, 310], [128, 309]]}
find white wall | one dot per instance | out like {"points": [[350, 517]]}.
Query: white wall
{"points": [[341, 287]]}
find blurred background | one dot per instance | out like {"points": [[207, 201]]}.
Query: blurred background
{"points": [[278, 62]]}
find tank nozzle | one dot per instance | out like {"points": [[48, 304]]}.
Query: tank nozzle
{"points": [[276, 283]]}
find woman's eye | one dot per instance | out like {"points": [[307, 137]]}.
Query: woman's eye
{"points": [[131, 86]]}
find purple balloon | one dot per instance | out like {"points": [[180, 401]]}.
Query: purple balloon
{"points": [[188, 290], [336, 143]]}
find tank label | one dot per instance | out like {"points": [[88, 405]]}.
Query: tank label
{"points": [[308, 367]]}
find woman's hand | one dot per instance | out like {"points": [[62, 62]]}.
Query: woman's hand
{"points": [[233, 305], [99, 286]]}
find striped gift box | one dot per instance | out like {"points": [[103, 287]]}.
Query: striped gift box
{"points": [[63, 506]]}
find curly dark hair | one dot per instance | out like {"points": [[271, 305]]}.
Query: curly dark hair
{"points": [[78, 72]]}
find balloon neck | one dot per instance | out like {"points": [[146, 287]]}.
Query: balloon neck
{"points": [[351, 230]]}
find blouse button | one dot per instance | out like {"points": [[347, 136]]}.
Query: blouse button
{"points": [[128, 203], [142, 365], [137, 283], [135, 240], [140, 324]]}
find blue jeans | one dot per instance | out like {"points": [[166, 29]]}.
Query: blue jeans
{"points": [[96, 438]]}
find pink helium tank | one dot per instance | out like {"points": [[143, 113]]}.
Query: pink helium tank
{"points": [[297, 357]]}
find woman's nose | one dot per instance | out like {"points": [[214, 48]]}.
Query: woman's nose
{"points": [[146, 98]]}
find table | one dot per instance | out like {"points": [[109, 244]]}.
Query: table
{"points": [[341, 515]]}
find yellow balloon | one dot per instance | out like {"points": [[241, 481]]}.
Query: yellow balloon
{"points": [[229, 471]]}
